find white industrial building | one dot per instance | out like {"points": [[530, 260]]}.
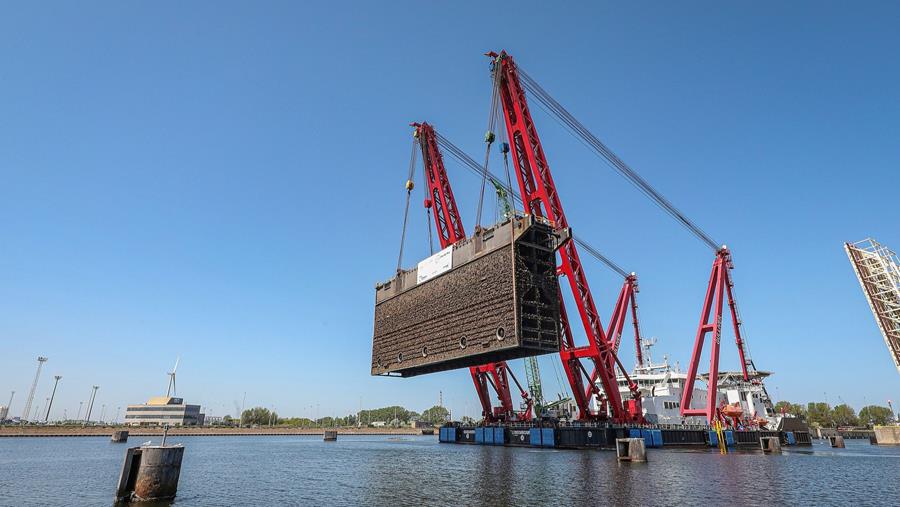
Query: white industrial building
{"points": [[162, 410]]}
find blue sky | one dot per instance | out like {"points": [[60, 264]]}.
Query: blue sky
{"points": [[224, 181]]}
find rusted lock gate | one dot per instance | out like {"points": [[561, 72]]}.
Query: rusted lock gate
{"points": [[492, 297]]}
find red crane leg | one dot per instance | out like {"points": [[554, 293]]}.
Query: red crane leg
{"points": [[736, 323]]}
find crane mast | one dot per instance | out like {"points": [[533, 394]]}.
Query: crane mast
{"points": [[450, 229], [626, 302], [540, 198]]}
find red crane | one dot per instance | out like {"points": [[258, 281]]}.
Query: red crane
{"points": [[720, 286], [720, 283], [540, 198], [450, 230]]}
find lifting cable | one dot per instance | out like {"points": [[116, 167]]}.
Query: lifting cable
{"points": [[472, 165], [582, 133], [489, 138], [570, 123], [409, 187], [562, 385], [427, 206]]}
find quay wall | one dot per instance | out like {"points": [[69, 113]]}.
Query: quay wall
{"points": [[94, 431]]}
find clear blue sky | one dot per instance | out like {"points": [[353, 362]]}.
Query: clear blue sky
{"points": [[224, 181]]}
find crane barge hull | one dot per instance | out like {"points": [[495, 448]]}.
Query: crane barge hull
{"points": [[604, 436]]}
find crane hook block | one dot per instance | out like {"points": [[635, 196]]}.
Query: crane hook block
{"points": [[410, 185], [504, 147], [489, 137], [428, 203]]}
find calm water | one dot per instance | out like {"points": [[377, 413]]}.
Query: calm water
{"points": [[375, 471]]}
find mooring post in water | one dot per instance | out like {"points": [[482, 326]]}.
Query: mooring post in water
{"points": [[631, 449], [330, 435], [837, 441], [120, 436], [150, 472], [770, 445]]}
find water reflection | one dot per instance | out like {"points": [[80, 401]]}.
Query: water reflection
{"points": [[376, 471]]}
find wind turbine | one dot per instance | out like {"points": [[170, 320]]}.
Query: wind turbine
{"points": [[172, 390]]}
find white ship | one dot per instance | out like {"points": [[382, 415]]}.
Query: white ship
{"points": [[661, 387]]}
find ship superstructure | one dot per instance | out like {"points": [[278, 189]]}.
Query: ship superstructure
{"points": [[741, 402]]}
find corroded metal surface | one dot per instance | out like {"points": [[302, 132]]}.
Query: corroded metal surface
{"points": [[150, 473], [500, 301], [159, 472]]}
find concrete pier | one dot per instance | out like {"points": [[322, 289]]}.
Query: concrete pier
{"points": [[770, 445], [836, 441], [150, 473], [330, 435], [887, 435], [119, 436], [631, 449]]}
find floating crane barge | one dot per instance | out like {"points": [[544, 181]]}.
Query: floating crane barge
{"points": [[497, 296]]}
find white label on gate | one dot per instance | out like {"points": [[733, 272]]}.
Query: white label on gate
{"points": [[438, 263]]}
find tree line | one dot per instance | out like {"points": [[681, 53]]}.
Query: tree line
{"points": [[823, 415], [394, 415]]}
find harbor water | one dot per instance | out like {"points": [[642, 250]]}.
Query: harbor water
{"points": [[417, 470]]}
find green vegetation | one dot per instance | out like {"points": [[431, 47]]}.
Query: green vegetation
{"points": [[436, 415], [819, 414], [874, 415], [844, 415], [259, 416], [393, 415], [787, 407]]}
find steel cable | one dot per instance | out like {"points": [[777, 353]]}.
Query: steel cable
{"points": [[489, 139], [473, 166], [573, 125], [409, 188]]}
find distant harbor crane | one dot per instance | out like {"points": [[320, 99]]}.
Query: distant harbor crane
{"points": [[52, 395], [26, 413], [87, 418]]}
